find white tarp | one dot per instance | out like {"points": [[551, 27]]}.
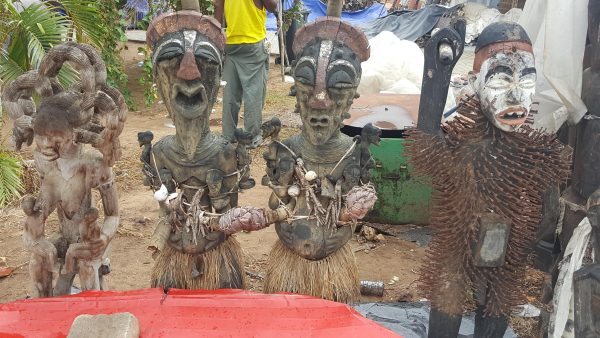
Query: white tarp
{"points": [[478, 17], [563, 291], [558, 31], [395, 67]]}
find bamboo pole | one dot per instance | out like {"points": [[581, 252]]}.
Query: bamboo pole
{"points": [[281, 40]]}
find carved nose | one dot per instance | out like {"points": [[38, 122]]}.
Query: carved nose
{"points": [[319, 121], [320, 104], [515, 95], [188, 70]]}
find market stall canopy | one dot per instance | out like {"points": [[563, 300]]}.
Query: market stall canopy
{"points": [[318, 9]]}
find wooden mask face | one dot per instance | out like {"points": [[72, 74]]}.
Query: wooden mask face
{"points": [[187, 70], [326, 77], [505, 85]]}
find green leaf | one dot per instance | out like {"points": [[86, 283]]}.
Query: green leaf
{"points": [[41, 28], [10, 178], [9, 68]]}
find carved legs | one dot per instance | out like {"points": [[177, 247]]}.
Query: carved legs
{"points": [[489, 326], [443, 325], [41, 265], [41, 275]]}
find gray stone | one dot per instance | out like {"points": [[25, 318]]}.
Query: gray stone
{"points": [[116, 325]]}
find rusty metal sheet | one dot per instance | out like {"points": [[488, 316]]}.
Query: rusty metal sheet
{"points": [[386, 111]]}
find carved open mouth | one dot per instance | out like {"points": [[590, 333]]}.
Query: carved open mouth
{"points": [[190, 98], [186, 101], [49, 154], [512, 116]]}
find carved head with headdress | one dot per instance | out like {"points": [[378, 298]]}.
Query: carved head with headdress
{"points": [[89, 112], [187, 56], [504, 74], [327, 74]]}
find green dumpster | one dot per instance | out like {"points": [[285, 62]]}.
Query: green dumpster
{"points": [[402, 197]]}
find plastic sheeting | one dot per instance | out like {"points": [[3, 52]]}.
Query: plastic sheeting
{"points": [[563, 291], [395, 67], [318, 9], [411, 320], [193, 313], [558, 30], [406, 25], [479, 18]]}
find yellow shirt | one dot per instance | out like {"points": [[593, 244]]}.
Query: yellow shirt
{"points": [[245, 22]]}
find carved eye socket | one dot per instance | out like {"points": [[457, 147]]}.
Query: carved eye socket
{"points": [[169, 52], [528, 81], [305, 74], [340, 79], [499, 81], [205, 54]]}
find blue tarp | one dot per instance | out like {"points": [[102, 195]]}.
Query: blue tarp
{"points": [[317, 9], [406, 25]]}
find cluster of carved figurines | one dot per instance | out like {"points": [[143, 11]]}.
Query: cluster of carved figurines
{"points": [[319, 178], [89, 112], [487, 167]]}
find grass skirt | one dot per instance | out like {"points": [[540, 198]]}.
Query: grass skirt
{"points": [[334, 277], [221, 267]]}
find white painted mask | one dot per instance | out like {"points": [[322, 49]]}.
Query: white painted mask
{"points": [[505, 85]]}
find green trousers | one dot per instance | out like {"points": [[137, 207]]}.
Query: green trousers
{"points": [[245, 70]]}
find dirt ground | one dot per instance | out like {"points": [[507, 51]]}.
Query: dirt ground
{"points": [[131, 262]]}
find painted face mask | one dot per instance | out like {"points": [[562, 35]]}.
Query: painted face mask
{"points": [[505, 85], [188, 69], [327, 74], [326, 78]]}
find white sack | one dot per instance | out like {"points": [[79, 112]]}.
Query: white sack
{"points": [[558, 31], [395, 66], [563, 291]]}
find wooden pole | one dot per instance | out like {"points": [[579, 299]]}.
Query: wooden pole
{"points": [[334, 8], [281, 40], [192, 5]]}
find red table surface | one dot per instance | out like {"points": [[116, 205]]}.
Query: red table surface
{"points": [[193, 313]]}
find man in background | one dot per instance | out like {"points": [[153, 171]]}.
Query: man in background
{"points": [[246, 63]]}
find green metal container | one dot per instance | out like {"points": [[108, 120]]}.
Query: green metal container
{"points": [[402, 198]]}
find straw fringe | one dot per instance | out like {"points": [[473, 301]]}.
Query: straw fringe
{"points": [[334, 277], [221, 267]]}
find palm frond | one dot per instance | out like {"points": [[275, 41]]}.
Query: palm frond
{"points": [[10, 178], [9, 68], [44, 29], [85, 20]]}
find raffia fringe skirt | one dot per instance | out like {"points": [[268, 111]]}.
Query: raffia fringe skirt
{"points": [[221, 267], [334, 277]]}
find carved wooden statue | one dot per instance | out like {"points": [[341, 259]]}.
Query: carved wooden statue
{"points": [[195, 172], [90, 112], [488, 169], [316, 175]]}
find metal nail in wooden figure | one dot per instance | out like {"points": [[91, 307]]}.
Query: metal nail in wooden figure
{"points": [[488, 169]]}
